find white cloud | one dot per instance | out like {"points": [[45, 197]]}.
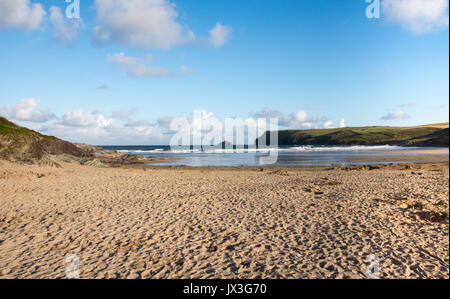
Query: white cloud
{"points": [[93, 127], [21, 14], [296, 120], [138, 67], [219, 35], [99, 135], [206, 124], [64, 30], [301, 116], [119, 127], [27, 110], [141, 131], [81, 118], [395, 115], [271, 113], [342, 123], [164, 125], [418, 16], [103, 122], [202, 123], [143, 23], [96, 128], [204, 127], [328, 124], [24, 110], [137, 123]]}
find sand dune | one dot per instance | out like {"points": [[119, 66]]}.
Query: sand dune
{"points": [[211, 223]]}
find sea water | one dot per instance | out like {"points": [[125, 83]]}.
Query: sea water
{"points": [[287, 155]]}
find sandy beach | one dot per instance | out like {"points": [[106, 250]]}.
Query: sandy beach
{"points": [[223, 223]]}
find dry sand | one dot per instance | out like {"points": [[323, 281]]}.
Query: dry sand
{"points": [[222, 223]]}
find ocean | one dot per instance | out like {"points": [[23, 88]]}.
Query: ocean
{"points": [[287, 155]]}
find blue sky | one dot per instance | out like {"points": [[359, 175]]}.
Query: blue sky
{"points": [[117, 75]]}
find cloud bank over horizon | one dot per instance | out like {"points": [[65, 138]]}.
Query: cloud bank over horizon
{"points": [[120, 127]]}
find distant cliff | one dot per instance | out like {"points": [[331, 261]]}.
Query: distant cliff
{"points": [[429, 135]]}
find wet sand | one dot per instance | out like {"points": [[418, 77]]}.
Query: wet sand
{"points": [[406, 156], [440, 151], [223, 223]]}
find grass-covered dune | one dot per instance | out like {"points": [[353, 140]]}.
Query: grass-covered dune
{"points": [[430, 135], [24, 145]]}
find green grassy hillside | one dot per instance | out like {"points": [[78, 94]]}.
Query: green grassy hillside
{"points": [[24, 145], [430, 135], [21, 144]]}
